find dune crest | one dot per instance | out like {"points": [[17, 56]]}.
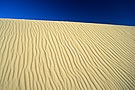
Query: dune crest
{"points": [[47, 55]]}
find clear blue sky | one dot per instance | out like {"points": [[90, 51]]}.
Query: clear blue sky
{"points": [[98, 11]]}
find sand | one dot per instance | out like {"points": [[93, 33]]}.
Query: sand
{"points": [[58, 55]]}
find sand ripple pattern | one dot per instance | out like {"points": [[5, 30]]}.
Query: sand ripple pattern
{"points": [[52, 55]]}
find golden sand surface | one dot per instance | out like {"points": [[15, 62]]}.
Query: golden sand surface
{"points": [[58, 55]]}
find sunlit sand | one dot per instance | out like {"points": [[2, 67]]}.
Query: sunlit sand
{"points": [[58, 55]]}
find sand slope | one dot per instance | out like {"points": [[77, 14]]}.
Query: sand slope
{"points": [[47, 55]]}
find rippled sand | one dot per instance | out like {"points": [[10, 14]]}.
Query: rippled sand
{"points": [[56, 55]]}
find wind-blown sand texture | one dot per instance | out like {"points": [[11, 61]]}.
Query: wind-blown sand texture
{"points": [[56, 55]]}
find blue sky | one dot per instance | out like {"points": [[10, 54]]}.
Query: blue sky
{"points": [[121, 12]]}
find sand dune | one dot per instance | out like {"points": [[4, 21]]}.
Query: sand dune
{"points": [[55, 55]]}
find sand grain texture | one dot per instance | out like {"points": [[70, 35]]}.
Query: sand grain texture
{"points": [[47, 55]]}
